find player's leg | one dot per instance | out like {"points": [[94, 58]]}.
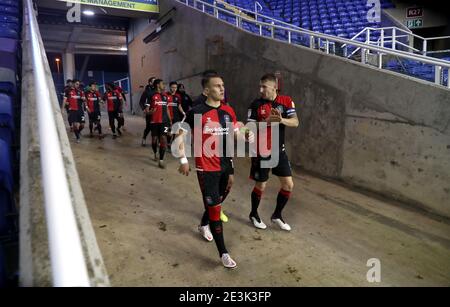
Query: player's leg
{"points": [[260, 176], [203, 228], [162, 147], [284, 173], [155, 128], [225, 185], [146, 130], [91, 124], [98, 124], [112, 124]]}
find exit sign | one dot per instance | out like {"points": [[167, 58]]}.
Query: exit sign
{"points": [[414, 12], [414, 23]]}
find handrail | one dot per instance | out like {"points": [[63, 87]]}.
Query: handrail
{"points": [[439, 37], [321, 36], [247, 11], [66, 255]]}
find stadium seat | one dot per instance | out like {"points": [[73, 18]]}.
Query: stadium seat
{"points": [[2, 268], [8, 64], [6, 187], [6, 119], [9, 10]]}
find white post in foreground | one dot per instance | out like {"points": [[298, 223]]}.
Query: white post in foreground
{"points": [[66, 254]]}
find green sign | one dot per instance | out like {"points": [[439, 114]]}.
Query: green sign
{"points": [[133, 5], [414, 23]]}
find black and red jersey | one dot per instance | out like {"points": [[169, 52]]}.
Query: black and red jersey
{"points": [[215, 126], [260, 110], [113, 100], [93, 101], [159, 104], [173, 104], [74, 98]]}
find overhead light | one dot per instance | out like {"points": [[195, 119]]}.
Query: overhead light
{"points": [[57, 59], [123, 49], [88, 13]]}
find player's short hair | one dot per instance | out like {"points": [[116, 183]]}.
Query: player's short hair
{"points": [[269, 77], [92, 82], [173, 83], [69, 81], [151, 79], [156, 82], [208, 77], [75, 80]]}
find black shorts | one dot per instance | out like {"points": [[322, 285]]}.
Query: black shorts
{"points": [[260, 174], [160, 129], [76, 116], [213, 185], [115, 114], [94, 117]]}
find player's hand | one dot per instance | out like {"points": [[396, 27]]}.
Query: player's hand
{"points": [[275, 116], [249, 136], [184, 169]]}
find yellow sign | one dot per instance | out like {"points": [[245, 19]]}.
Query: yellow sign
{"points": [[150, 6]]}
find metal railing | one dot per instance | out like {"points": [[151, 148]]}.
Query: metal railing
{"points": [[317, 40], [391, 37], [66, 255]]}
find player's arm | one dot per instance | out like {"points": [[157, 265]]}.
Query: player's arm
{"points": [[168, 114], [179, 139], [180, 108], [100, 98], [241, 132], [290, 121], [184, 163], [120, 100], [150, 108]]}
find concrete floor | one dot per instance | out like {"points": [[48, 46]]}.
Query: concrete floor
{"points": [[146, 222]]}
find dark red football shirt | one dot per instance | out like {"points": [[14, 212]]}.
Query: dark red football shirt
{"points": [[215, 126], [113, 101], [75, 98], [159, 103], [173, 104], [260, 110], [93, 101]]}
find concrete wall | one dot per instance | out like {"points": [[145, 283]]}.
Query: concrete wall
{"points": [[144, 61], [371, 128]]}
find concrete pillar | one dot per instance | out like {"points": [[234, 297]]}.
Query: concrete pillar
{"points": [[68, 65]]}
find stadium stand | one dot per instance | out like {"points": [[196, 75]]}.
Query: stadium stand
{"points": [[10, 24]]}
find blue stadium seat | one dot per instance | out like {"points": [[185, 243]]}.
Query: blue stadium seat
{"points": [[2, 268], [8, 33], [6, 187], [9, 10], [6, 118], [8, 64], [14, 3]]}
